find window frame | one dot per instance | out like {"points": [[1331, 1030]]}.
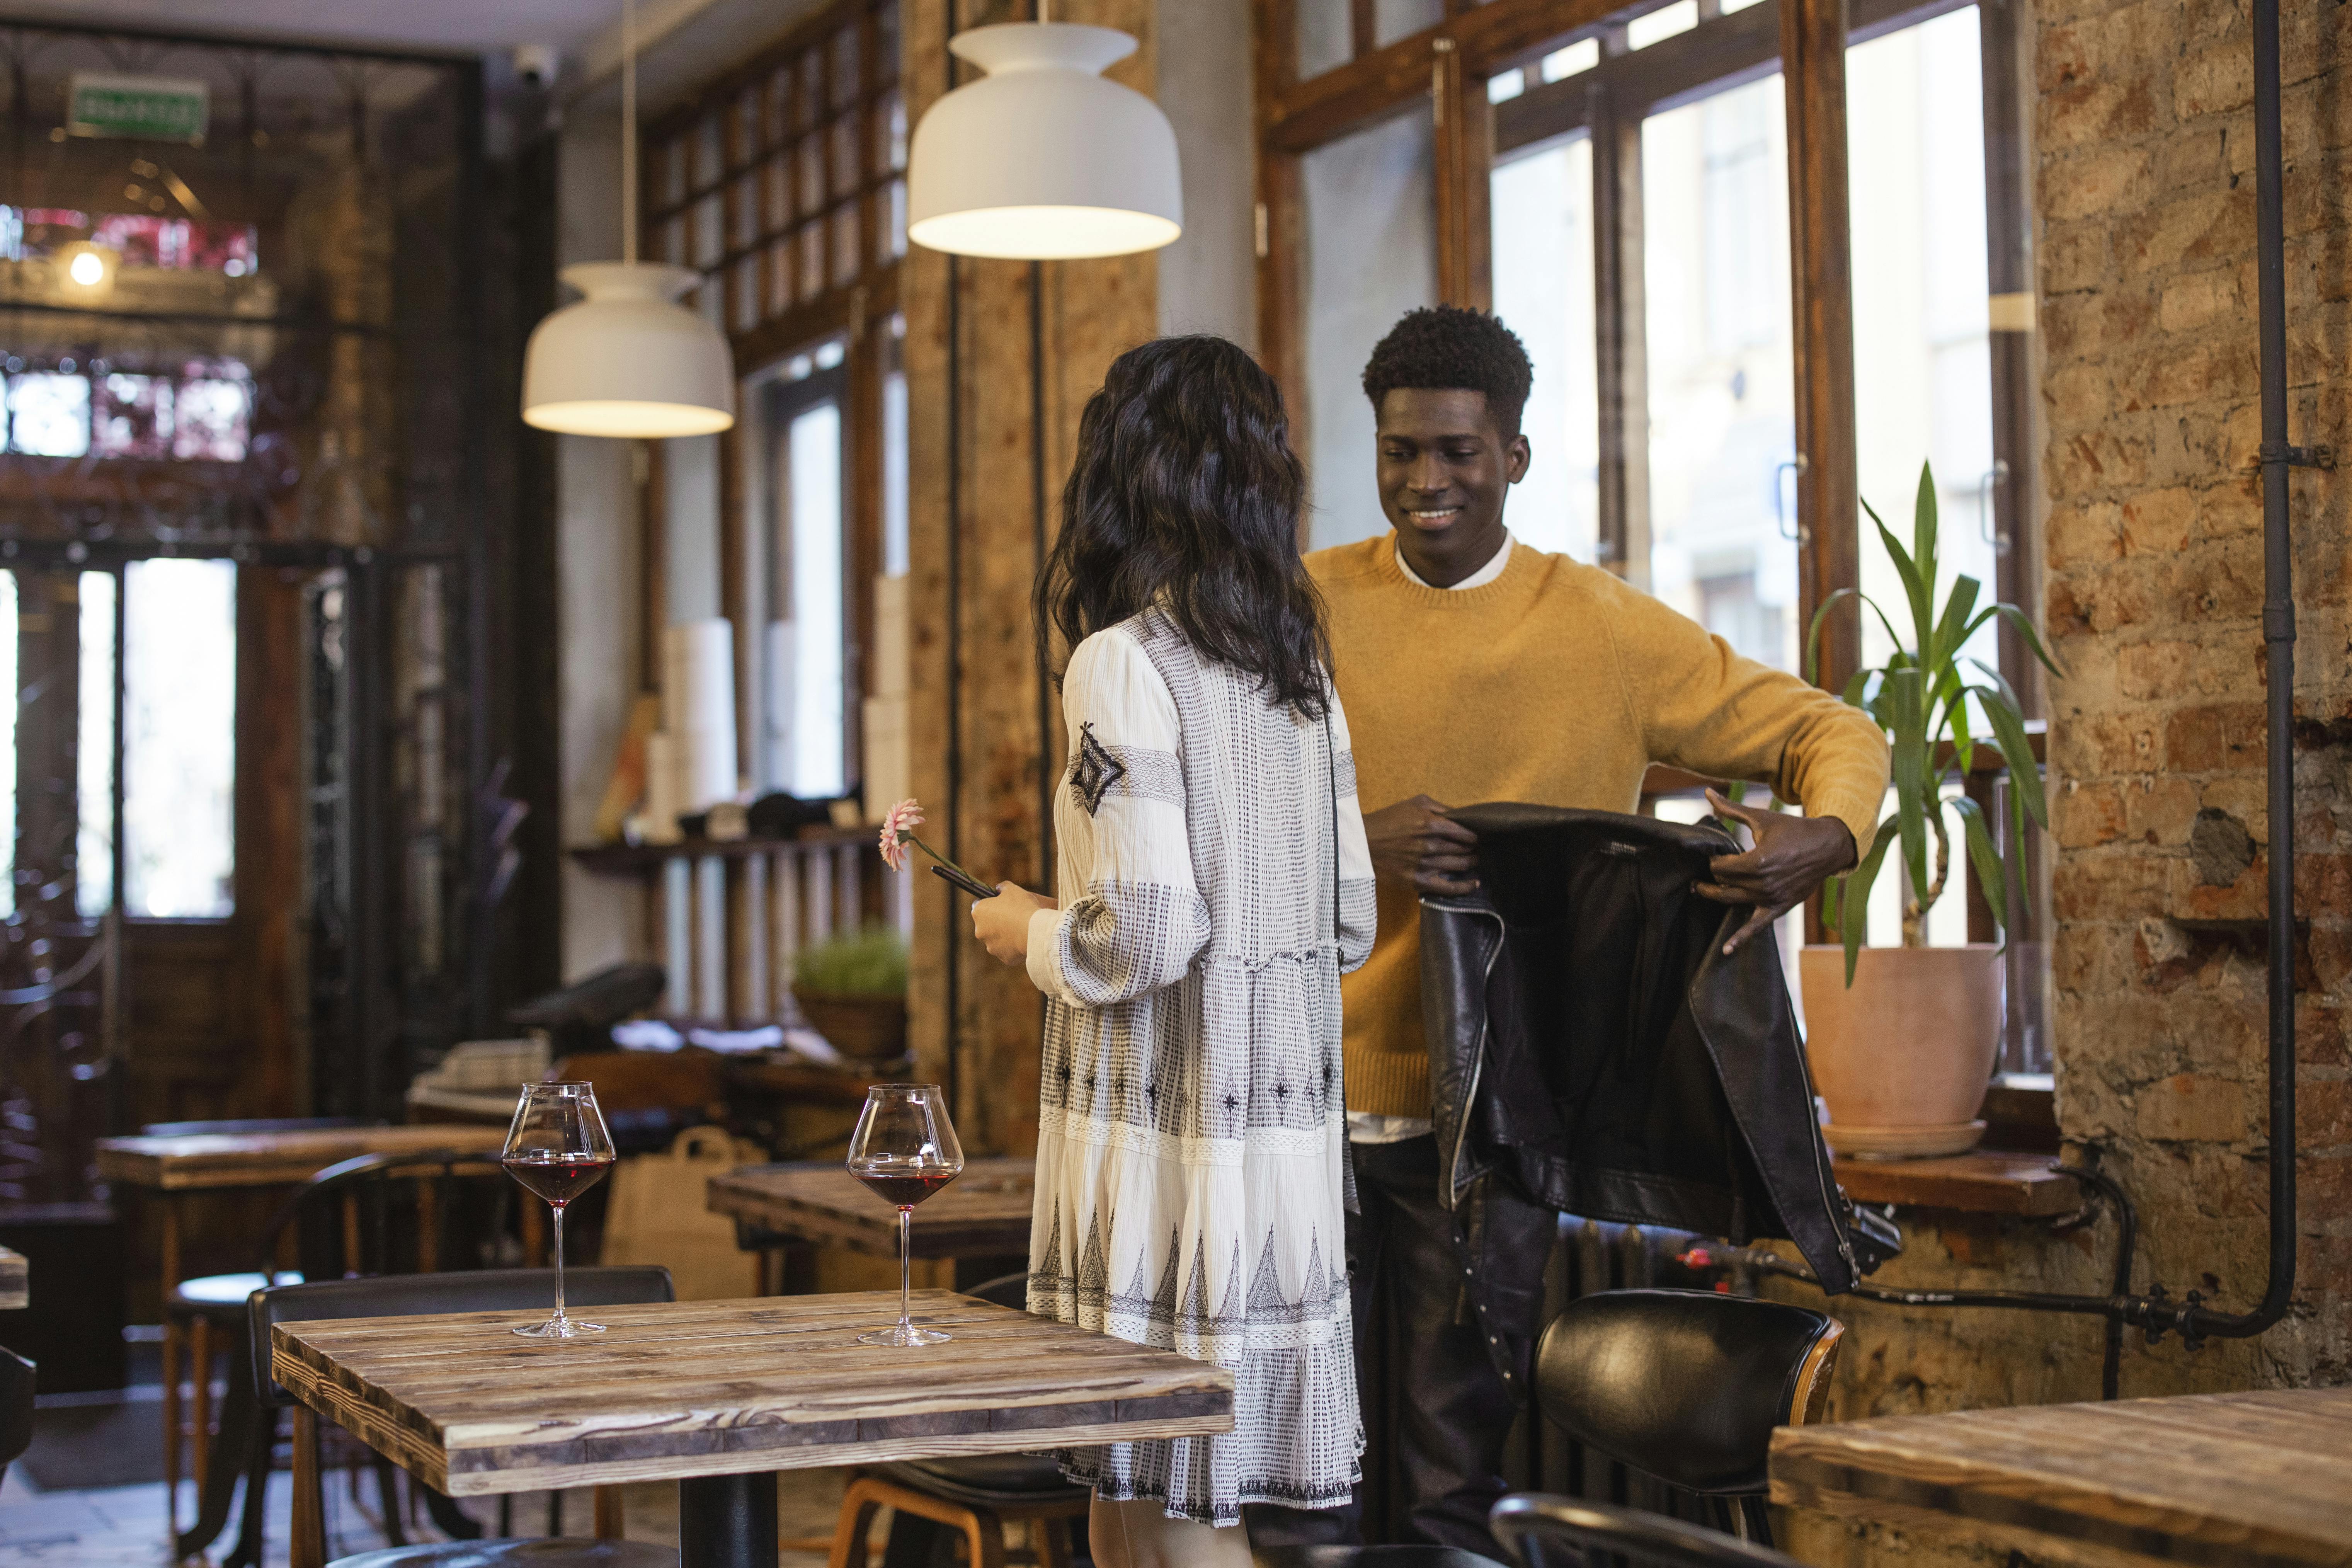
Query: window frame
{"points": [[857, 311], [1450, 65]]}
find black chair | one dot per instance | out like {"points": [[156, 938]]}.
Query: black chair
{"points": [[1684, 1384], [16, 1379], [1688, 1386], [1543, 1531], [976, 1497], [415, 1295], [341, 1224]]}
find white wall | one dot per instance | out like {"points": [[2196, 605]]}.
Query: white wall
{"points": [[1208, 278], [599, 579]]}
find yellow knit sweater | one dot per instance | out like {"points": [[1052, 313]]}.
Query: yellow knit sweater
{"points": [[1556, 684]]}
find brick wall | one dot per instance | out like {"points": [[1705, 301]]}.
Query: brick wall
{"points": [[2153, 562]]}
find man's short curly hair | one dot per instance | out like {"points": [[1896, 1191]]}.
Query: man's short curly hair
{"points": [[1447, 346]]}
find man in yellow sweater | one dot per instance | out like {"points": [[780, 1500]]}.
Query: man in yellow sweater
{"points": [[1476, 669]]}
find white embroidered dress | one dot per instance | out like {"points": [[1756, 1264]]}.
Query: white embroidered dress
{"points": [[1192, 1136]]}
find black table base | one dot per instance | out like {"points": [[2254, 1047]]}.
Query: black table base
{"points": [[727, 1521]]}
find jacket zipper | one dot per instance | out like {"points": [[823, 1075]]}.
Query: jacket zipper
{"points": [[1478, 1059], [1830, 1194]]}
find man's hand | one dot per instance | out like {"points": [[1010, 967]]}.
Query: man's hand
{"points": [[1002, 923], [1793, 854], [1414, 841]]}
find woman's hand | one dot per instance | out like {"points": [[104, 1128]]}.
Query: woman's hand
{"points": [[1002, 923]]}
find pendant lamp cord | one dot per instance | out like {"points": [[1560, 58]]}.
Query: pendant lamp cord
{"points": [[629, 132]]}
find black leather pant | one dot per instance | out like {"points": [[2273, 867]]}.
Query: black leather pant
{"points": [[1445, 1410]]}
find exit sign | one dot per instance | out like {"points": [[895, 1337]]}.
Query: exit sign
{"points": [[141, 108]]}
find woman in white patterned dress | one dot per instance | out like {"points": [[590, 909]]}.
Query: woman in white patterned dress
{"points": [[1192, 1136]]}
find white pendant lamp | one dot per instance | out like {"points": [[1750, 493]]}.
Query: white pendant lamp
{"points": [[1042, 159], [628, 359]]}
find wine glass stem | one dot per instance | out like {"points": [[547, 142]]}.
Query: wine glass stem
{"points": [[559, 1260], [906, 1244]]}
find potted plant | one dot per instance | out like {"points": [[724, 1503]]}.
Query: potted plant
{"points": [[853, 990], [1902, 1040]]}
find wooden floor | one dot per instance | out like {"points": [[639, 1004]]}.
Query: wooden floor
{"points": [[123, 1527]]}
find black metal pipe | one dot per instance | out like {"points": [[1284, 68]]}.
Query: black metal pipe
{"points": [[2278, 644], [727, 1521]]}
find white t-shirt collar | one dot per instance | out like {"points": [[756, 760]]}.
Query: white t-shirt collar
{"points": [[1478, 579]]}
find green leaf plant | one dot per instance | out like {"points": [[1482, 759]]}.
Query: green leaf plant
{"points": [[1920, 697]]}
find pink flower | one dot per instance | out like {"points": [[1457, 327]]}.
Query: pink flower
{"points": [[898, 825]]}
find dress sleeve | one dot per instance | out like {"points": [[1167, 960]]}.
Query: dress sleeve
{"points": [[1357, 899], [1134, 920]]}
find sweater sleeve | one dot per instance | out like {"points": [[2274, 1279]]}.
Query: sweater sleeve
{"points": [[1357, 899], [1704, 707], [1134, 920]]}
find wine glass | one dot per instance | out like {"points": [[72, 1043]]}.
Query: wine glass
{"points": [[558, 1149], [904, 1150]]}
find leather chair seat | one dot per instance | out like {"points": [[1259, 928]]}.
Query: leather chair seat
{"points": [[1369, 1557], [984, 1480], [223, 1295], [558, 1551]]}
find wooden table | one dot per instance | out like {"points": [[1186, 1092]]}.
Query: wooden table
{"points": [[213, 1162], [715, 1394], [16, 1280], [982, 1212], [2233, 1481]]}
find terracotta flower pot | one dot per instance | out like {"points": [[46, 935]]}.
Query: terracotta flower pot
{"points": [[1903, 1058], [870, 1029]]}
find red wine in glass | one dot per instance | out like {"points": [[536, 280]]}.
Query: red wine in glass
{"points": [[557, 1149], [556, 1178], [904, 1150], [903, 1189]]}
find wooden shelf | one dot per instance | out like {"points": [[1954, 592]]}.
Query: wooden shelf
{"points": [[1983, 1181], [634, 859]]}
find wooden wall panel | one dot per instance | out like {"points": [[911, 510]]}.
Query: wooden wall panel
{"points": [[973, 346]]}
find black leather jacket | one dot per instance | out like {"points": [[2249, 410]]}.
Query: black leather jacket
{"points": [[1593, 1052]]}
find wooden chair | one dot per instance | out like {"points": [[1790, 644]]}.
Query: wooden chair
{"points": [[410, 1295], [177, 1329], [977, 1496], [16, 1377], [340, 1223]]}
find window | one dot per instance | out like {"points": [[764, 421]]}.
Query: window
{"points": [[196, 411], [1370, 258], [94, 749], [1629, 181], [783, 183], [1543, 287], [1722, 409], [179, 682]]}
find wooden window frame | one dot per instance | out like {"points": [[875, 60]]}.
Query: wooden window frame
{"points": [[857, 311], [1807, 40]]}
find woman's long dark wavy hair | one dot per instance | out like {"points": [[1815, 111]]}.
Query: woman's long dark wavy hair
{"points": [[1185, 486]]}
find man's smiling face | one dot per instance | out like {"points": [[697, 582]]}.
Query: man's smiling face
{"points": [[1445, 471]]}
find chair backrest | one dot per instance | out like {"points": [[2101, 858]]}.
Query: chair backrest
{"points": [[1004, 1291], [235, 1126], [416, 1295], [1685, 1385], [16, 1378], [1546, 1532], [330, 1224]]}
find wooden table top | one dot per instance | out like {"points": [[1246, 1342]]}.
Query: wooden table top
{"points": [[267, 1158], [704, 1388], [981, 1213], [16, 1280], [2258, 1480]]}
